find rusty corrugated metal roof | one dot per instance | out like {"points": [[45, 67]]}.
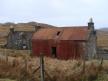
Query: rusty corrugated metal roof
{"points": [[63, 33], [47, 33], [75, 33]]}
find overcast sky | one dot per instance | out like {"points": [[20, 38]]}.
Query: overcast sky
{"points": [[55, 12]]}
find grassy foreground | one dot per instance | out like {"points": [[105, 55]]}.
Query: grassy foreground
{"points": [[26, 69]]}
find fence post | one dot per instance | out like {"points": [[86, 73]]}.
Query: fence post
{"points": [[7, 59], [42, 67], [101, 65], [84, 66], [26, 64], [83, 69]]}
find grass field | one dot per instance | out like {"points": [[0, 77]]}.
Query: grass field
{"points": [[24, 69], [102, 39]]}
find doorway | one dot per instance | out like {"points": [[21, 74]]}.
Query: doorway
{"points": [[53, 51]]}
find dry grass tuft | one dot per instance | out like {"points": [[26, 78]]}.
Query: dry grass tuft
{"points": [[22, 69]]}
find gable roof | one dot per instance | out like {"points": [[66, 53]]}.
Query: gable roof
{"points": [[47, 33], [63, 33]]}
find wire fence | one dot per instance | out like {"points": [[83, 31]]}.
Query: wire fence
{"points": [[24, 73]]}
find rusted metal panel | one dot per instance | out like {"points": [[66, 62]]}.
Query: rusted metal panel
{"points": [[40, 46], [71, 33], [68, 43], [65, 49], [47, 33], [75, 34]]}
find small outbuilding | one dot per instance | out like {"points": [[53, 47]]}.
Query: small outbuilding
{"points": [[19, 39], [66, 42], [20, 35]]}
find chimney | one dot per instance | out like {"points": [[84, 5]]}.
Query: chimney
{"points": [[91, 24], [11, 28], [37, 26]]}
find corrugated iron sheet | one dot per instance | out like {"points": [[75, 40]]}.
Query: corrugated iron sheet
{"points": [[64, 49], [47, 33], [69, 33], [68, 43], [75, 34], [69, 50]]}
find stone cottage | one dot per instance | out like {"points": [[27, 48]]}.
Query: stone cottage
{"points": [[20, 35], [19, 39]]}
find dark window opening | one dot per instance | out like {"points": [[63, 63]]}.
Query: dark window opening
{"points": [[58, 32], [53, 50]]}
